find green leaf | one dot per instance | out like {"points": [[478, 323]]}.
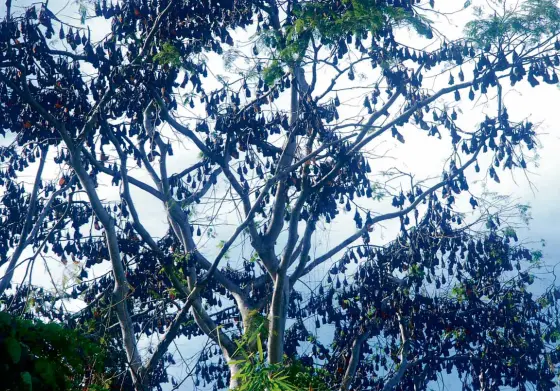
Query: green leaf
{"points": [[26, 380], [259, 346], [13, 348], [272, 73], [5, 318], [168, 54], [46, 370]]}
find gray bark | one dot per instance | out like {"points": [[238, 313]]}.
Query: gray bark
{"points": [[24, 240], [354, 361], [121, 287]]}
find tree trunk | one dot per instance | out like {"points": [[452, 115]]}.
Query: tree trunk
{"points": [[233, 370], [121, 288], [277, 318]]}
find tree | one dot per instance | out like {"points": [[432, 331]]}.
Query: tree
{"points": [[275, 146]]}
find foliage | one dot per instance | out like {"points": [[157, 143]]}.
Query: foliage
{"points": [[256, 374], [535, 19], [331, 21], [304, 377], [168, 55], [46, 356], [272, 73]]}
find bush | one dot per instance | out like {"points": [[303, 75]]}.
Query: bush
{"points": [[45, 356]]}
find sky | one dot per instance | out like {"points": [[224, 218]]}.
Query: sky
{"points": [[421, 155]]}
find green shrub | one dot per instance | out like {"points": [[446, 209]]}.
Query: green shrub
{"points": [[45, 356]]}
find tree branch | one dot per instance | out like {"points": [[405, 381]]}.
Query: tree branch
{"points": [[355, 355], [386, 216], [404, 364], [23, 238]]}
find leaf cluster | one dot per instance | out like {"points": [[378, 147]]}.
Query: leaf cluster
{"points": [[46, 356]]}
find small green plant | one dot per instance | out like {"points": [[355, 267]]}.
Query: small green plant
{"points": [[256, 374]]}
